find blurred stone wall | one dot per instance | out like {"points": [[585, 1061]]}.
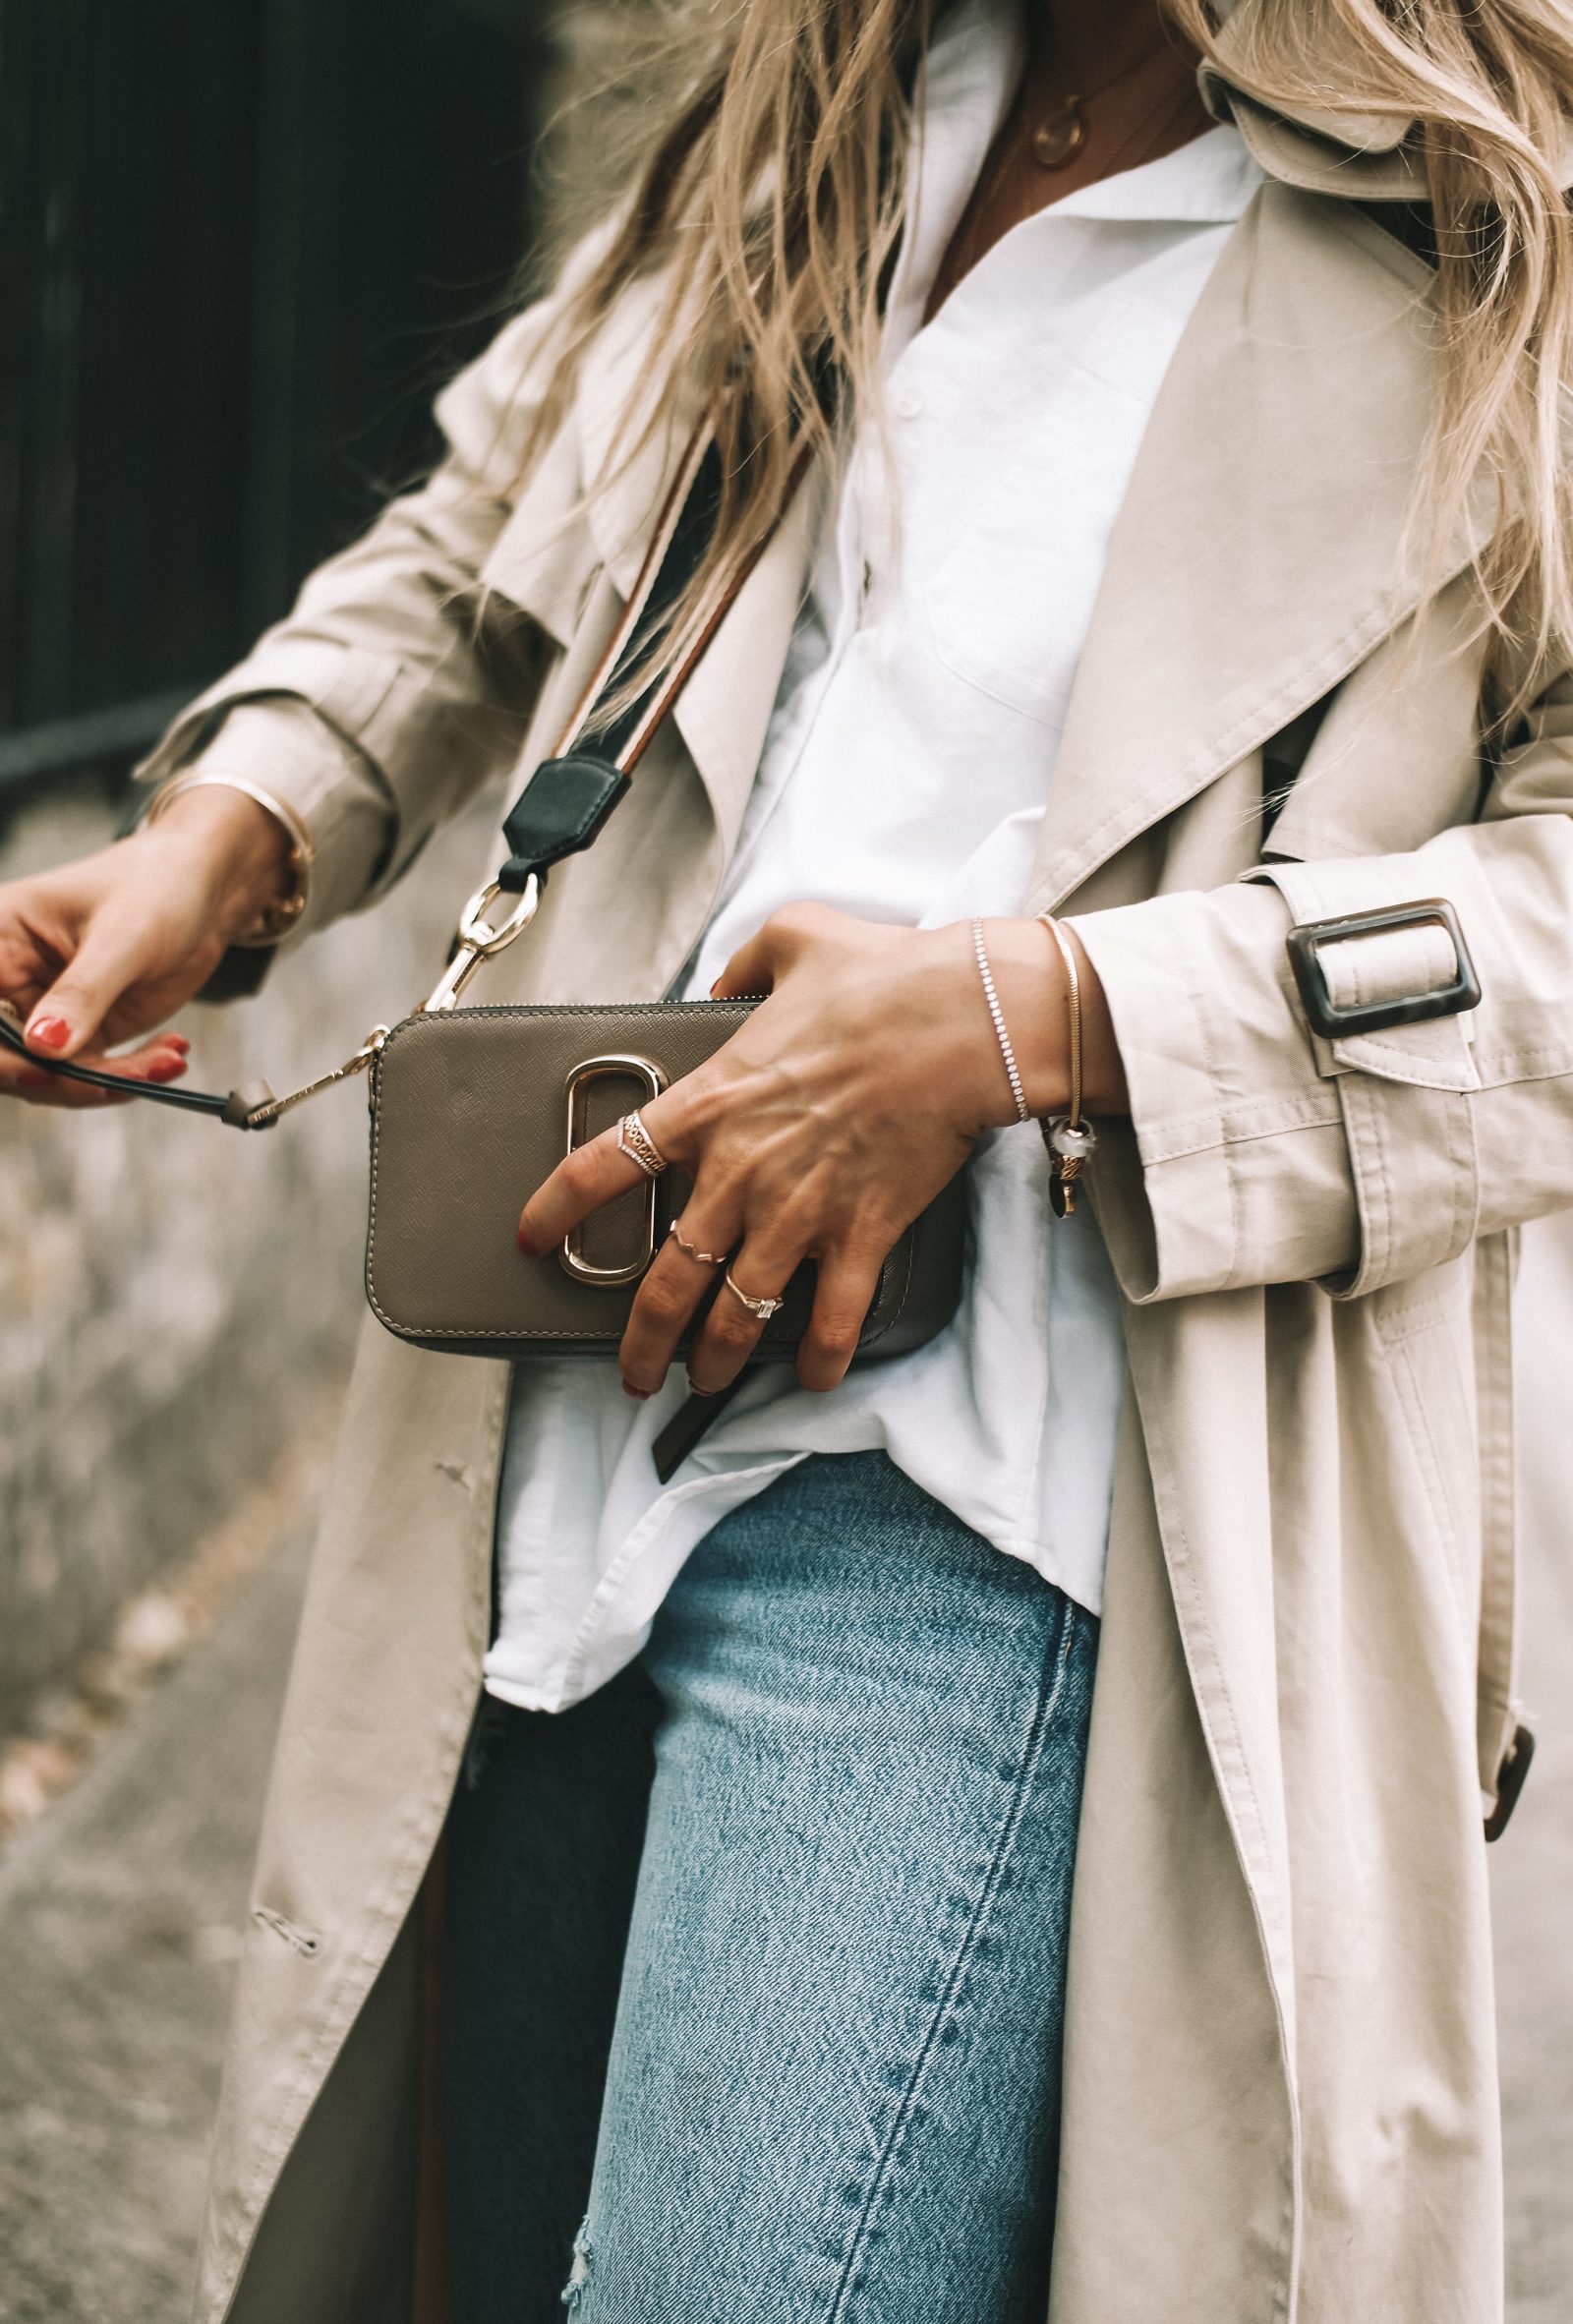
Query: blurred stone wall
{"points": [[177, 1299]]}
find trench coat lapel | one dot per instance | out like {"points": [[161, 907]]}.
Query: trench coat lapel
{"points": [[1262, 550], [724, 709]]}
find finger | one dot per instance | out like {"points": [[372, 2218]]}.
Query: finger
{"points": [[755, 965], [842, 1297], [597, 1173], [159, 1061], [590, 1175], [112, 956], [36, 1087], [159, 1051], [673, 1287], [65, 1097], [731, 1331], [750, 973]]}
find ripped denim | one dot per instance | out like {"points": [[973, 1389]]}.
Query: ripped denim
{"points": [[824, 2088]]}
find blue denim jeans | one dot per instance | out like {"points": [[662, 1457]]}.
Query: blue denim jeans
{"points": [[756, 1959]]}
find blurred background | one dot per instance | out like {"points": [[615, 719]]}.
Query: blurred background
{"points": [[240, 244]]}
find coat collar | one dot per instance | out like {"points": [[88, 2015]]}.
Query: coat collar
{"points": [[1262, 550], [1361, 152], [723, 712], [1260, 553]]}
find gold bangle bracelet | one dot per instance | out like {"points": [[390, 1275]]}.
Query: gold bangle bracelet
{"points": [[1069, 1137], [275, 923]]}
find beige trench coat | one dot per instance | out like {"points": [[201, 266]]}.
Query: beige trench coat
{"points": [[1280, 2078]]}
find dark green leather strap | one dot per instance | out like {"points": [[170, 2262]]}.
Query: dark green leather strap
{"points": [[192, 1101], [565, 803]]}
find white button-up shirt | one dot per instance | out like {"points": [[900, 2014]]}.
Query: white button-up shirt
{"points": [[903, 779]]}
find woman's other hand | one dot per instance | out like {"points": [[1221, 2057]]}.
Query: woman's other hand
{"points": [[106, 948], [827, 1123]]}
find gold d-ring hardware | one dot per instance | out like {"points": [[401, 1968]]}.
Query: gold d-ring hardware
{"points": [[596, 1069], [479, 941]]}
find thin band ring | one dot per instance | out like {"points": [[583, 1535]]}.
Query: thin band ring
{"points": [[762, 1308], [635, 1140], [706, 1258]]}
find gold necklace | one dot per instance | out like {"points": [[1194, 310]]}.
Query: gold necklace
{"points": [[1059, 138], [963, 252]]}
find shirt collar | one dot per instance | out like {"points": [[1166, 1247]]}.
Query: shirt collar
{"points": [[972, 68], [970, 76], [1208, 182]]}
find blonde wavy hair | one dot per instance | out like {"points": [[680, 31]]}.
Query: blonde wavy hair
{"points": [[766, 204]]}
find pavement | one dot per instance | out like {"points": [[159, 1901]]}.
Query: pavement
{"points": [[121, 1912], [120, 1919]]}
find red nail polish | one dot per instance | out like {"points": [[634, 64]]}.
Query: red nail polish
{"points": [[166, 1068], [177, 1041], [49, 1032], [526, 1247], [33, 1079]]}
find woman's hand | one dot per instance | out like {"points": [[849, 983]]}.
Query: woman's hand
{"points": [[827, 1123], [103, 949]]}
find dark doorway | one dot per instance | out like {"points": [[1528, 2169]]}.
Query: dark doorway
{"points": [[240, 241]]}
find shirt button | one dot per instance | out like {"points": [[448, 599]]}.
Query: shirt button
{"points": [[906, 403]]}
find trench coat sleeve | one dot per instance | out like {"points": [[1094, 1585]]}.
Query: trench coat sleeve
{"points": [[281, 745], [1255, 1151], [382, 701]]}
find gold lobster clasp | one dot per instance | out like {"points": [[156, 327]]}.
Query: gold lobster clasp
{"points": [[479, 940]]}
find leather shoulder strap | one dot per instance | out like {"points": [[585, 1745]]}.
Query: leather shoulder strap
{"points": [[565, 805], [569, 797]]}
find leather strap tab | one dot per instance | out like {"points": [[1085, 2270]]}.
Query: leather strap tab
{"points": [[691, 1420], [1510, 1781], [560, 809]]}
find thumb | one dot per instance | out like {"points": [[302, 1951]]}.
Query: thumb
{"points": [[751, 972], [755, 965], [111, 956]]}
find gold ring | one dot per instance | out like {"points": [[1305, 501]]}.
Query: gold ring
{"points": [[635, 1140], [706, 1258], [763, 1308]]}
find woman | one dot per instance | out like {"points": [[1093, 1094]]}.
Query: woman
{"points": [[1186, 554]]}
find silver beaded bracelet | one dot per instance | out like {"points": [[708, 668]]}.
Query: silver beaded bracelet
{"points": [[998, 1015]]}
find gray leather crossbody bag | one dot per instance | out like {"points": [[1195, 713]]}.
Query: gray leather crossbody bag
{"points": [[473, 1108]]}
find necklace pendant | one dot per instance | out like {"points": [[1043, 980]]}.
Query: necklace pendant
{"points": [[1057, 139]]}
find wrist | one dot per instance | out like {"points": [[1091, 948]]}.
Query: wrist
{"points": [[243, 855], [1034, 999], [1030, 981], [973, 1064]]}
